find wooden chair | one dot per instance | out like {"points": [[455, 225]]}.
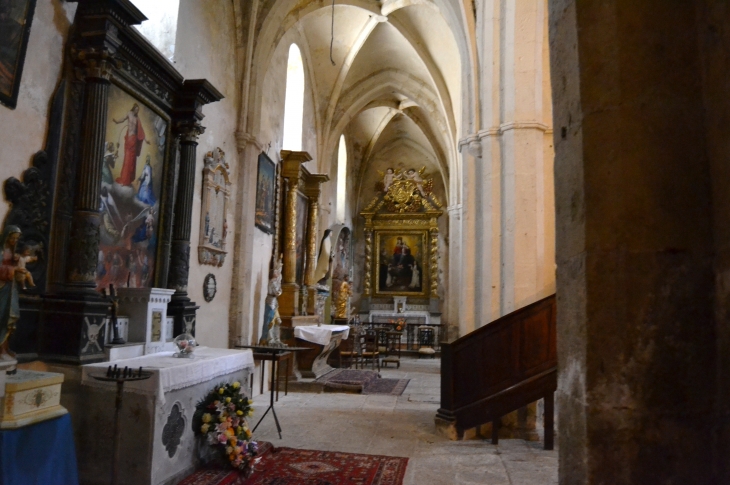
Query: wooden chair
{"points": [[348, 353], [426, 341], [369, 349]]}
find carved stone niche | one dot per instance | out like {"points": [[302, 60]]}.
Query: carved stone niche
{"points": [[213, 222]]}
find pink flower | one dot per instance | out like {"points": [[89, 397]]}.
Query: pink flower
{"points": [[222, 438]]}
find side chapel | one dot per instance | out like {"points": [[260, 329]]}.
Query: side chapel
{"points": [[524, 198]]}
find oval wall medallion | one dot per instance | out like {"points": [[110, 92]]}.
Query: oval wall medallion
{"points": [[210, 287]]}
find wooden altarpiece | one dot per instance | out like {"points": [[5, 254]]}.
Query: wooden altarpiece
{"points": [[110, 198], [296, 236]]}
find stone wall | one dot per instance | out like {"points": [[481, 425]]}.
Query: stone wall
{"points": [[23, 130]]}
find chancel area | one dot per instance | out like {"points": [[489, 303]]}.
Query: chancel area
{"points": [[364, 241]]}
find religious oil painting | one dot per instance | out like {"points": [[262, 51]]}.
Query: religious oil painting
{"points": [[401, 262], [131, 185], [15, 22], [265, 191]]}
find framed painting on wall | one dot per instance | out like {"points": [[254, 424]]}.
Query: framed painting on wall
{"points": [[132, 170], [265, 190], [401, 262], [15, 21]]}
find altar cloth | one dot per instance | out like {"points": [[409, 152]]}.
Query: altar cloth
{"points": [[170, 373], [321, 335], [39, 454]]}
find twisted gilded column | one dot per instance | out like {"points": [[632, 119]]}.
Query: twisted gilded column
{"points": [[312, 189]]}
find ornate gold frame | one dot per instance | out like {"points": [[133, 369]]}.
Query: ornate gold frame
{"points": [[425, 223]]}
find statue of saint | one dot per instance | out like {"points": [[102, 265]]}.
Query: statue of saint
{"points": [[342, 298], [272, 319], [9, 275]]}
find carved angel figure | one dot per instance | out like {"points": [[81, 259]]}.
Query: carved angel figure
{"points": [[417, 178]]}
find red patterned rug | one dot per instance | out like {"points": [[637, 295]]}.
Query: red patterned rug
{"points": [[290, 466]]}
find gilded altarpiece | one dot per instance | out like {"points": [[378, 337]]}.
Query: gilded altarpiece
{"points": [[402, 237]]}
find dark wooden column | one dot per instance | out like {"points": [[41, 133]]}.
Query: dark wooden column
{"points": [[188, 115]]}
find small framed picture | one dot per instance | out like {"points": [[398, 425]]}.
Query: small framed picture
{"points": [[15, 20], [265, 191]]}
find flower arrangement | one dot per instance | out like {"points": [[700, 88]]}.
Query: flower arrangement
{"points": [[220, 418], [399, 324]]}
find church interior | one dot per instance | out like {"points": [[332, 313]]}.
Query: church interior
{"points": [[449, 241]]}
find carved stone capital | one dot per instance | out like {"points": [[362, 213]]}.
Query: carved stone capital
{"points": [[244, 139], [189, 131], [94, 64]]}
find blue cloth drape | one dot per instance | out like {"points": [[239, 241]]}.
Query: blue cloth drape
{"points": [[39, 454]]}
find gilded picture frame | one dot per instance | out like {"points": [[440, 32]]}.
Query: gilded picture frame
{"points": [[16, 17], [401, 263]]}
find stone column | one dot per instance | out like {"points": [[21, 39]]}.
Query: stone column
{"points": [[638, 286], [188, 113], [242, 329]]}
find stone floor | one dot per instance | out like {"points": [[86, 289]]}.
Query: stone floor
{"points": [[404, 426]]}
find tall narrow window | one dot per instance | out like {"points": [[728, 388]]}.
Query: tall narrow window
{"points": [[341, 180], [161, 26], [294, 101]]}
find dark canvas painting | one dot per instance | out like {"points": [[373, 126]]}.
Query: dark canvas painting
{"points": [[265, 188], [401, 262], [15, 21]]}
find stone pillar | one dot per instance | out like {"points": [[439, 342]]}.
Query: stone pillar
{"points": [[242, 329], [637, 285], [188, 113]]}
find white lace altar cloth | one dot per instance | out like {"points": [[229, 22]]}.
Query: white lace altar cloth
{"points": [[320, 335], [170, 373]]}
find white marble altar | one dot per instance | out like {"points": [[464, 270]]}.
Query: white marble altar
{"points": [[157, 442]]}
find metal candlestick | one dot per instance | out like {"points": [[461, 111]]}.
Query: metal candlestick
{"points": [[120, 376]]}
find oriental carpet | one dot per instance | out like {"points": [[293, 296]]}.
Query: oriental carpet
{"points": [[290, 466], [362, 381]]}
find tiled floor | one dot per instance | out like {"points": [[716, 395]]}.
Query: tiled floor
{"points": [[404, 426]]}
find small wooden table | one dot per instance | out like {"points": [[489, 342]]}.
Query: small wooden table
{"points": [[276, 359]]}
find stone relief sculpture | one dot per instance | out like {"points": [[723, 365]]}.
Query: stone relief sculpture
{"points": [[271, 334], [213, 221]]}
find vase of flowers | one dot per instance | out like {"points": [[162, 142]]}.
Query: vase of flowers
{"points": [[220, 420]]}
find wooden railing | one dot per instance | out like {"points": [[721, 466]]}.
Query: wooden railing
{"points": [[499, 368]]}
